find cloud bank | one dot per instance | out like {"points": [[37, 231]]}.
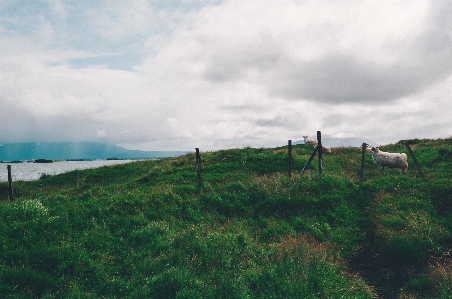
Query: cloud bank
{"points": [[221, 74]]}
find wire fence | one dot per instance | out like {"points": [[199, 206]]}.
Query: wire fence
{"points": [[318, 149]]}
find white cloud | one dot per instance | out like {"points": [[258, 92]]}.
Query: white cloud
{"points": [[101, 133], [228, 74], [116, 20], [58, 8], [295, 48]]}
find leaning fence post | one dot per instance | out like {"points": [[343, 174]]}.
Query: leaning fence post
{"points": [[198, 167], [10, 182], [319, 145], [289, 148], [363, 157], [414, 159], [309, 160]]}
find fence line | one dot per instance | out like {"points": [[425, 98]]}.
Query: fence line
{"points": [[363, 157], [198, 167], [309, 160], [414, 159], [319, 146], [289, 149], [10, 183]]}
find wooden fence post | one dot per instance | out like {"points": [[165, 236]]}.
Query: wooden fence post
{"points": [[319, 145], [10, 182], [309, 160], [414, 159], [198, 166], [289, 148], [363, 157]]}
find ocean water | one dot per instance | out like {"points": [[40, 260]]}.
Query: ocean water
{"points": [[33, 171]]}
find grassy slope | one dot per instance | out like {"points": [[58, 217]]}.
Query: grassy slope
{"points": [[145, 229]]}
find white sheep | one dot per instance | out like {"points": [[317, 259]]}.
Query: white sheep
{"points": [[307, 140], [392, 160], [310, 141], [368, 148], [326, 149]]}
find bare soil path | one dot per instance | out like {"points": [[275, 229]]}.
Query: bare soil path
{"points": [[386, 278]]}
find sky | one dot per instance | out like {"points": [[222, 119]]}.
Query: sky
{"points": [[218, 74]]}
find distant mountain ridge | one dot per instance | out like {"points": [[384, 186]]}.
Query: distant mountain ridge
{"points": [[75, 150]]}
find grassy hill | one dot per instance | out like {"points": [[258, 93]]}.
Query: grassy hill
{"points": [[147, 230]]}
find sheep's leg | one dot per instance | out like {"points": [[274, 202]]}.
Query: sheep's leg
{"points": [[383, 168]]}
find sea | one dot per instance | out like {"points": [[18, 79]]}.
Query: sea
{"points": [[29, 171]]}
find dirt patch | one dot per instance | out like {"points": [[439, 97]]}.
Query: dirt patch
{"points": [[386, 278]]}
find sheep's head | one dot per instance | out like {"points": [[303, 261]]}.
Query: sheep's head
{"points": [[366, 147], [375, 149], [305, 137]]}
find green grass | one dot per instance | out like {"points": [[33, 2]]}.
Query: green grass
{"points": [[146, 230]]}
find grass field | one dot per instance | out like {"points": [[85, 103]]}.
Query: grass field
{"points": [[147, 230]]}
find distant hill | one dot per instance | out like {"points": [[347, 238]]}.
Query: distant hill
{"points": [[76, 150], [342, 142]]}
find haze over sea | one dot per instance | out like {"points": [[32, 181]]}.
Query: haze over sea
{"points": [[33, 171]]}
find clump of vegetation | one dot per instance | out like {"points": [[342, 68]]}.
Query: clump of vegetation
{"points": [[146, 229]]}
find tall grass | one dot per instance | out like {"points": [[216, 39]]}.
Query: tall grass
{"points": [[146, 230]]}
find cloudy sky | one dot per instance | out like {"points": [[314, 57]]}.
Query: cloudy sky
{"points": [[220, 74]]}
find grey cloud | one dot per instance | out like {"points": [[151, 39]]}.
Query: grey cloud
{"points": [[273, 122], [242, 108], [15, 123], [337, 78], [196, 64], [430, 131], [230, 64], [20, 125], [341, 78], [334, 120], [23, 127], [437, 38]]}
